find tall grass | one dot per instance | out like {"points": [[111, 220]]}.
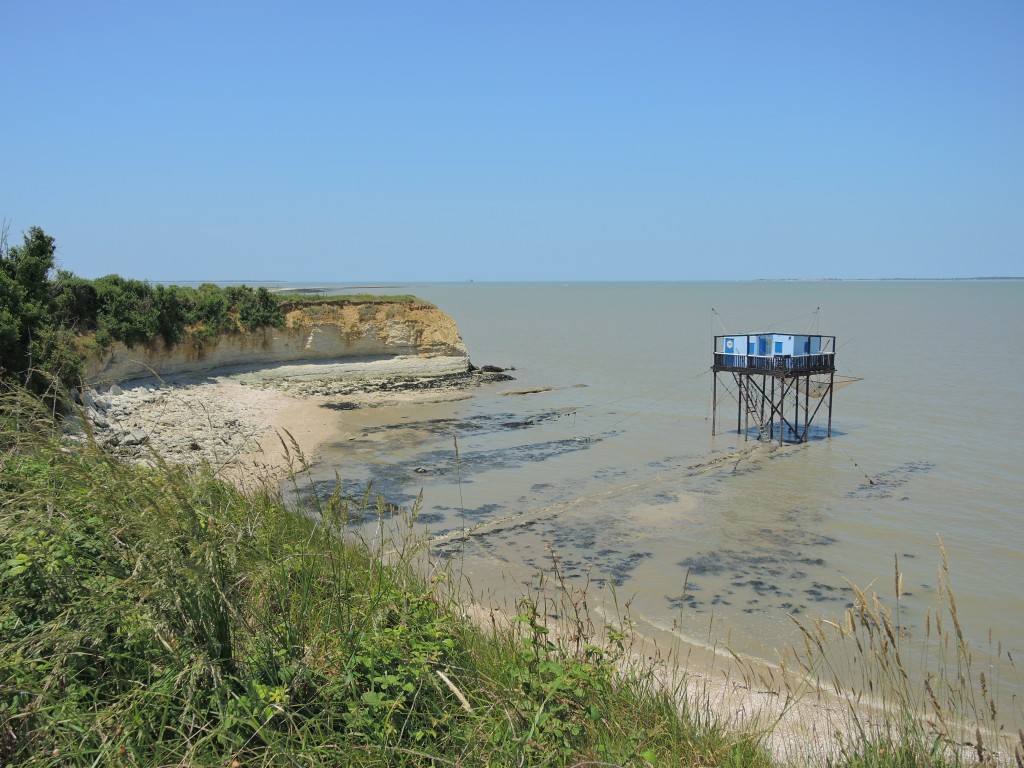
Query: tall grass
{"points": [[156, 616], [914, 701]]}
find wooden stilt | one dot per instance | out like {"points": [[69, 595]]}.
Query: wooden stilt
{"points": [[714, 401], [739, 405], [807, 405], [831, 383]]}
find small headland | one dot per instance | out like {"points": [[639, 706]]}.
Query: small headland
{"points": [[237, 399]]}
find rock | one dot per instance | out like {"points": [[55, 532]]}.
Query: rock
{"points": [[72, 424], [97, 418], [135, 437], [492, 369], [115, 391]]}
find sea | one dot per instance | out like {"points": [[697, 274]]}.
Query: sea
{"points": [[597, 468]]}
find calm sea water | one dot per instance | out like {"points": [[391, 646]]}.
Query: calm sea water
{"points": [[717, 539]]}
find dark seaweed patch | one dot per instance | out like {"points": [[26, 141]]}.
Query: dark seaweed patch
{"points": [[429, 518], [769, 575], [394, 480], [474, 513], [611, 559], [443, 462], [379, 501], [885, 484], [679, 602], [484, 424], [342, 405], [665, 498], [712, 564]]}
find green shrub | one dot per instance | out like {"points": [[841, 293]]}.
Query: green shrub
{"points": [[254, 308], [128, 311], [77, 302], [35, 350]]}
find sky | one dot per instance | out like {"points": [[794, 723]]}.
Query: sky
{"points": [[448, 141]]}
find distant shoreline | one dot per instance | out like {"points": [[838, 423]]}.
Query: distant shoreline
{"points": [[309, 286]]}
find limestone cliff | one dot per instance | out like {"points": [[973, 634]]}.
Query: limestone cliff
{"points": [[313, 332]]}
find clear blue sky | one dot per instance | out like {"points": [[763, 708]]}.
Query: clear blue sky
{"points": [[411, 141]]}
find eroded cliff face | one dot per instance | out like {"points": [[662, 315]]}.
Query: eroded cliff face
{"points": [[322, 332]]}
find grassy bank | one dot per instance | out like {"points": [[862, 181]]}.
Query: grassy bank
{"points": [[160, 617], [295, 299]]}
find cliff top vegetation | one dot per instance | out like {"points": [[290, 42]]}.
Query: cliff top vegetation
{"points": [[49, 317]]}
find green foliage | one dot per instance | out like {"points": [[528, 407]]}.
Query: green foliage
{"points": [[558, 689], [156, 616], [41, 315], [135, 312], [255, 308], [127, 312], [76, 301], [33, 349]]}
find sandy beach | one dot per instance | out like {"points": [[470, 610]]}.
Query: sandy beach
{"points": [[253, 425]]}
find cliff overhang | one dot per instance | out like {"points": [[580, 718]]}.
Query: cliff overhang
{"points": [[320, 332]]}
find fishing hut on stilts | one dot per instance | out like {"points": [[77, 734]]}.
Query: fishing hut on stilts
{"points": [[782, 381]]}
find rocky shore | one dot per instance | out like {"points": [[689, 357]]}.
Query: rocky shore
{"points": [[244, 419]]}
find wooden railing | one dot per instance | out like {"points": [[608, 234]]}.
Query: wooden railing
{"points": [[820, 362]]}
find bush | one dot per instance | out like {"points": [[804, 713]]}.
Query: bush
{"points": [[35, 350], [255, 308], [77, 302], [128, 311]]}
